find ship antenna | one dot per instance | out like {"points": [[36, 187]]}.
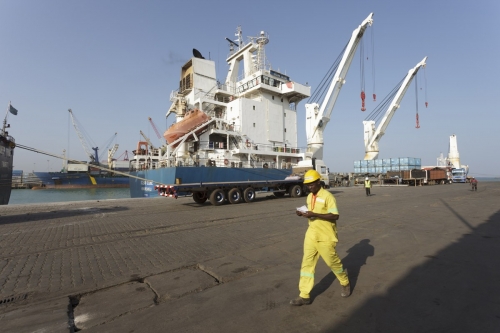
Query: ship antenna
{"points": [[262, 40], [239, 34]]}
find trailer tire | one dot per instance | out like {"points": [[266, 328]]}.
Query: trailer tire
{"points": [[249, 194], [296, 191], [200, 197], [234, 196], [217, 197]]}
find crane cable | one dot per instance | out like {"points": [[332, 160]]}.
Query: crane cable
{"points": [[377, 113], [320, 92], [85, 163], [362, 73], [425, 87], [372, 34], [416, 101]]}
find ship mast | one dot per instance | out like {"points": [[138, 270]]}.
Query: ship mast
{"points": [[260, 62], [4, 126]]}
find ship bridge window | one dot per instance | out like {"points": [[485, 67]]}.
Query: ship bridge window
{"points": [[254, 107], [273, 98]]}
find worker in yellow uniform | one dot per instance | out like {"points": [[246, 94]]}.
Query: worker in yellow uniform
{"points": [[320, 240], [368, 186]]}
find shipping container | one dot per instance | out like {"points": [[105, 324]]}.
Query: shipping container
{"points": [[404, 161], [120, 164], [417, 173], [77, 168], [436, 174]]}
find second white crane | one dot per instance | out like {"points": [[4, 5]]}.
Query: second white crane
{"points": [[372, 136]]}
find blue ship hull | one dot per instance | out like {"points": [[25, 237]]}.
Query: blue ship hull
{"points": [[6, 160], [62, 180], [186, 175]]}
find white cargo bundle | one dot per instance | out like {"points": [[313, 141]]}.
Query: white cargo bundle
{"points": [[77, 168]]}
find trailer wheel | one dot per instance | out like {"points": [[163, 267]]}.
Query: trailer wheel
{"points": [[296, 191], [234, 196], [200, 197], [249, 194], [217, 197]]}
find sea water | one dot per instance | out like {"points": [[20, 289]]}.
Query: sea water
{"points": [[26, 196]]}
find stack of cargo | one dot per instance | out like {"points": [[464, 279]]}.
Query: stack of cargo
{"points": [[387, 164]]}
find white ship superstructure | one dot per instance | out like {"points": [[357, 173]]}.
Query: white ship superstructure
{"points": [[252, 118]]}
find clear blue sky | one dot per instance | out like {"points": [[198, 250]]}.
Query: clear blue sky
{"points": [[115, 62]]}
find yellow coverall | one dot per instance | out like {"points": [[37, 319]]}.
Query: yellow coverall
{"points": [[320, 240]]}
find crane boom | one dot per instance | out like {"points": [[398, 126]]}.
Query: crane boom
{"points": [[154, 128], [318, 116], [147, 140], [372, 136], [111, 153], [82, 139]]}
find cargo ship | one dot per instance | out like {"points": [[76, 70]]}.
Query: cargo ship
{"points": [[7, 146], [81, 176], [244, 128]]}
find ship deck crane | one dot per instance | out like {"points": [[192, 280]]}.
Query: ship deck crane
{"points": [[147, 140], [111, 153], [93, 158], [372, 136], [317, 117], [154, 128]]}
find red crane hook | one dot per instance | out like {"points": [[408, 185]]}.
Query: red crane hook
{"points": [[363, 96]]}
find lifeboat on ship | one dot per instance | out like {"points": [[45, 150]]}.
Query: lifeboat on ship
{"points": [[192, 120]]}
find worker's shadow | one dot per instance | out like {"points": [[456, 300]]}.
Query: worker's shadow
{"points": [[355, 258]]}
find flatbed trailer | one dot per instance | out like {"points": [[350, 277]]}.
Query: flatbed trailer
{"points": [[233, 192]]}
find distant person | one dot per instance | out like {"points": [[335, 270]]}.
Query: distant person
{"points": [[473, 183], [368, 186], [320, 239]]}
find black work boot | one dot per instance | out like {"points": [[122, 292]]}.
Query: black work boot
{"points": [[300, 301], [346, 290]]}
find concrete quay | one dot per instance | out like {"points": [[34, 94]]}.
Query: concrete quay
{"points": [[420, 259]]}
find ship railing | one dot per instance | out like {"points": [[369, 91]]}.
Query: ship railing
{"points": [[236, 163], [271, 148]]}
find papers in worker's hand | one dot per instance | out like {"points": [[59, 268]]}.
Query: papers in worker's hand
{"points": [[302, 209]]}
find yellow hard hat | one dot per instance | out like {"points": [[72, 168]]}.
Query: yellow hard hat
{"points": [[311, 176]]}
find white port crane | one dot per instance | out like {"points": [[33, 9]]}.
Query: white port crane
{"points": [[372, 136], [317, 117], [111, 153], [93, 159]]}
